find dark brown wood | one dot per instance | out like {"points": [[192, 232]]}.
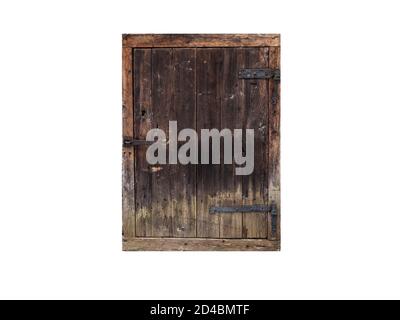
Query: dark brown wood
{"points": [[162, 108], [254, 116], [274, 185], [194, 79], [200, 244], [208, 69], [183, 177], [143, 123], [231, 106], [199, 40], [128, 199], [165, 91]]}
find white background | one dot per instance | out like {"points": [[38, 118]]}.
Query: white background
{"points": [[60, 159]]}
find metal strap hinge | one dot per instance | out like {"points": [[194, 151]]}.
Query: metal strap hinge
{"points": [[262, 208], [265, 73]]}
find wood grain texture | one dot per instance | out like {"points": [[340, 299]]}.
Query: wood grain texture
{"points": [[128, 199], [199, 40], [254, 116], [208, 69], [182, 178], [193, 79], [231, 118], [143, 117], [274, 184], [198, 244], [162, 111], [164, 91]]}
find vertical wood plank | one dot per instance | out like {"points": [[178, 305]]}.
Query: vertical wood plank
{"points": [[255, 117], [183, 177], [231, 113], [128, 201], [164, 91], [274, 187], [143, 123], [208, 68], [163, 106]]}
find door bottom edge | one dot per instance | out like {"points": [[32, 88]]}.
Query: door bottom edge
{"points": [[199, 244]]}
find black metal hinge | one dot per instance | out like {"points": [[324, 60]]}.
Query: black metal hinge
{"points": [[130, 142], [262, 208], [274, 218], [265, 73]]}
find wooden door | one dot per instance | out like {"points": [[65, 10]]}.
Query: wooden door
{"points": [[201, 82]]}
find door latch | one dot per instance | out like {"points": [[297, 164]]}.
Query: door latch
{"points": [[130, 142]]}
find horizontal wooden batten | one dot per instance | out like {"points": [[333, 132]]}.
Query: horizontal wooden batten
{"points": [[199, 40], [199, 244]]}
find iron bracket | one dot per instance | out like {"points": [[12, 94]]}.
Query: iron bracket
{"points": [[262, 208], [266, 73], [130, 142]]}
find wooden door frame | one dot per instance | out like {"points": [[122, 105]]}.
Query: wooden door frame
{"points": [[131, 41]]}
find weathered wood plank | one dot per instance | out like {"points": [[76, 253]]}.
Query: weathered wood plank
{"points": [[208, 68], [200, 40], [128, 201], [183, 177], [255, 117], [143, 116], [274, 148], [163, 110], [231, 186], [165, 91], [198, 244]]}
